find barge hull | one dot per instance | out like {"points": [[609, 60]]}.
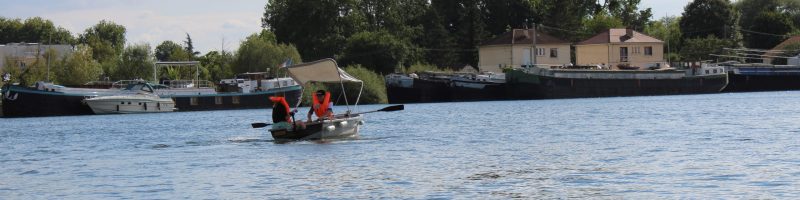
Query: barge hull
{"points": [[528, 86]]}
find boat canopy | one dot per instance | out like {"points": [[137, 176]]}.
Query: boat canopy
{"points": [[321, 71]]}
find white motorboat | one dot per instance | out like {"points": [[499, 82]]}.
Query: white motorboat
{"points": [[137, 98]]}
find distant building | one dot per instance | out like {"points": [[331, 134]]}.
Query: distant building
{"points": [[620, 46], [777, 51], [513, 49], [23, 54]]}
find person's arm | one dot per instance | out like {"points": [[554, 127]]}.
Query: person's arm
{"points": [[310, 111]]}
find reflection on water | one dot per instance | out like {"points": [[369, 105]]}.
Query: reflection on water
{"points": [[739, 145]]}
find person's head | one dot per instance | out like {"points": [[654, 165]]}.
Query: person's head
{"points": [[320, 94], [275, 100]]}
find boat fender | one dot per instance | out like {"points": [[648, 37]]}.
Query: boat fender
{"points": [[330, 128], [361, 123]]}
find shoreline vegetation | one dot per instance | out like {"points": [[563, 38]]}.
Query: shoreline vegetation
{"points": [[376, 37]]}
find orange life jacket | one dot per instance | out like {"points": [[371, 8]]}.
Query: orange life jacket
{"points": [[321, 108], [282, 100]]}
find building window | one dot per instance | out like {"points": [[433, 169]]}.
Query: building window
{"points": [[218, 100], [540, 51], [235, 99], [648, 51], [554, 52], [637, 50], [193, 101]]}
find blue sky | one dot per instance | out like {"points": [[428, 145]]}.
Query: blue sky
{"points": [[207, 21]]}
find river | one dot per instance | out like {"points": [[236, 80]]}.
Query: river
{"points": [[730, 145]]}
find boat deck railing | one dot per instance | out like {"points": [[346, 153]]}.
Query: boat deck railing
{"points": [[175, 84]]}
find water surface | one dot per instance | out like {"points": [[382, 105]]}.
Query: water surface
{"points": [[734, 145]]}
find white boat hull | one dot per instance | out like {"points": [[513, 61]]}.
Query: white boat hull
{"points": [[130, 104]]}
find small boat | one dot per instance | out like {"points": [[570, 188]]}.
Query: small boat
{"points": [[138, 98], [341, 126]]}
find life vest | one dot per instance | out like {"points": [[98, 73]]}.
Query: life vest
{"points": [[281, 101], [321, 108]]}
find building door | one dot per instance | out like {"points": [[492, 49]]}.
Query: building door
{"points": [[526, 56], [623, 54]]}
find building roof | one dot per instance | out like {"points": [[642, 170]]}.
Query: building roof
{"points": [[523, 36], [619, 35], [787, 42]]}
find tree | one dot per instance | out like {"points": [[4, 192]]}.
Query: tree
{"points": [[218, 64], [164, 50], [35, 30], [708, 17], [698, 49], [666, 29], [377, 51], [774, 17], [78, 68], [627, 11], [440, 44], [106, 40], [768, 30], [135, 62], [190, 46], [318, 28], [258, 53], [601, 22]]}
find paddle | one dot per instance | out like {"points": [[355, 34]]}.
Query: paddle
{"points": [[387, 109], [259, 125]]}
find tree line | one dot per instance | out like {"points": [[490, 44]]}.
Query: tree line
{"points": [[385, 35], [101, 54]]}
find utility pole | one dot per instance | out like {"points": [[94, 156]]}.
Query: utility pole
{"points": [[533, 56], [49, 42]]}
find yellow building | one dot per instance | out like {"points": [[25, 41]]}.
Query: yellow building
{"points": [[620, 46], [513, 49]]}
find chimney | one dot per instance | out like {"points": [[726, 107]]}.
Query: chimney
{"points": [[629, 32]]}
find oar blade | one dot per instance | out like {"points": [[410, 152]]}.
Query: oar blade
{"points": [[393, 108], [260, 125]]}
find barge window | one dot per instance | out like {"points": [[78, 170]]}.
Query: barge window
{"points": [[193, 101], [218, 100], [235, 99]]}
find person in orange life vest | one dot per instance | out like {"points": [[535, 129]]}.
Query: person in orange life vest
{"points": [[321, 105], [281, 115]]}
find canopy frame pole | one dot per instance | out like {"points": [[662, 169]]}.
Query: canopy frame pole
{"points": [[341, 83]]}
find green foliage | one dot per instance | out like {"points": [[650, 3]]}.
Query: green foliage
{"points": [[135, 62], [164, 51], [319, 29], [34, 30], [666, 29], [106, 40], [374, 86], [708, 17], [627, 11], [777, 17], [219, 65], [601, 22], [258, 53], [773, 23], [78, 68], [416, 68], [190, 46], [698, 49], [378, 51]]}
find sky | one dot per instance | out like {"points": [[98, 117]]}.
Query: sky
{"points": [[212, 24]]}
